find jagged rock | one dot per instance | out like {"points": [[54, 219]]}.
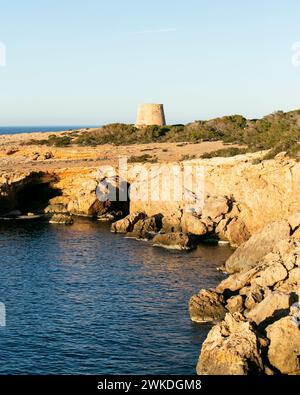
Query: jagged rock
{"points": [[145, 228], [270, 275], [192, 224], [85, 201], [274, 306], [172, 222], [207, 306], [236, 281], [180, 241], [230, 349], [208, 222], [235, 304], [284, 348], [109, 217], [56, 208], [215, 208], [127, 224], [252, 251], [296, 234], [236, 232], [61, 219], [294, 221], [254, 295], [221, 229], [234, 212]]}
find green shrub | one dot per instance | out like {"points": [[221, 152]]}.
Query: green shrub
{"points": [[225, 153]]}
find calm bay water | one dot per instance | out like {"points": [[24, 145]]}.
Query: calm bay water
{"points": [[81, 300]]}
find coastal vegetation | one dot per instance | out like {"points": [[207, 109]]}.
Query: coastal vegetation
{"points": [[276, 132]]}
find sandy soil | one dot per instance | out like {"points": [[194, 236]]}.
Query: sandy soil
{"points": [[15, 156]]}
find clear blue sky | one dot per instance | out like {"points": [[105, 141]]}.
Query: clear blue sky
{"points": [[93, 61]]}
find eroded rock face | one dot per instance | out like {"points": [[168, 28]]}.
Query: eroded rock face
{"points": [[127, 224], [250, 253], [274, 306], [146, 228], [192, 224], [284, 348], [216, 207], [230, 349], [207, 306]]}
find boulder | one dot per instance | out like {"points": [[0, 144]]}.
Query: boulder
{"points": [[207, 306], [215, 207], [221, 229], [127, 224], [145, 228], [274, 306], [236, 232], [230, 349], [252, 251], [254, 295], [235, 304], [192, 224], [178, 241], [236, 281], [270, 275], [172, 222], [64, 219], [284, 347], [56, 208]]}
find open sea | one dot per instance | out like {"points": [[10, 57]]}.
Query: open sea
{"points": [[31, 129]]}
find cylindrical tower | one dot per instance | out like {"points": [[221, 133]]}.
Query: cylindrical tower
{"points": [[150, 114]]}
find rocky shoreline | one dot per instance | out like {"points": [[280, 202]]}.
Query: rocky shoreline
{"points": [[254, 207], [256, 309]]}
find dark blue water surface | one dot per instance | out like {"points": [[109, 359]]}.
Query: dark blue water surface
{"points": [[81, 300], [31, 129]]}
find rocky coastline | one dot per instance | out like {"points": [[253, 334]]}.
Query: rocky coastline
{"points": [[254, 207]]}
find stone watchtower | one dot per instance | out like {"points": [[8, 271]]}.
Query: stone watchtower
{"points": [[150, 114]]}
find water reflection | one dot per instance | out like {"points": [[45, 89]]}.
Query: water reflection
{"points": [[80, 299]]}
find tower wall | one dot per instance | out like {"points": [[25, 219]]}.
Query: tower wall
{"points": [[150, 114]]}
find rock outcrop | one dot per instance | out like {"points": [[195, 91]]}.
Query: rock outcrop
{"points": [[249, 254], [230, 349], [176, 241], [207, 306], [64, 219], [127, 224], [261, 330]]}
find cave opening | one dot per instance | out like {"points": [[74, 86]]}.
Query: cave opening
{"points": [[34, 197]]}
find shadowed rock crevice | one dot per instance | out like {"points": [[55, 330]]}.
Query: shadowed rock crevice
{"points": [[35, 197]]}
